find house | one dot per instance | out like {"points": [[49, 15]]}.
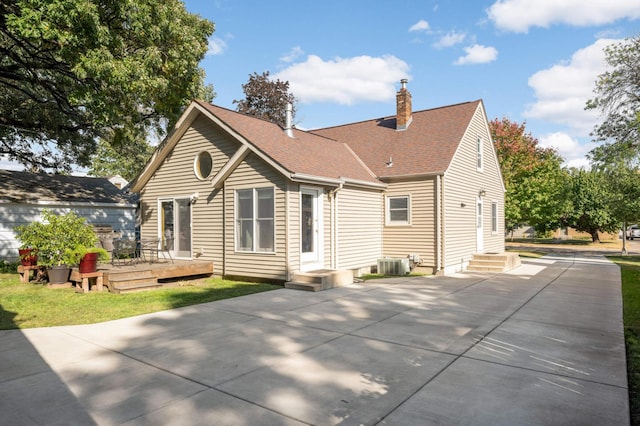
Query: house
{"points": [[266, 202], [23, 196]]}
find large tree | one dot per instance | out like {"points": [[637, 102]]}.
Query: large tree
{"points": [[533, 177], [617, 96], [266, 99], [126, 161], [623, 194], [591, 202], [73, 71]]}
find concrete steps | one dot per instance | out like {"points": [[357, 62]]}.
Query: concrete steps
{"points": [[494, 262], [320, 280], [131, 282]]}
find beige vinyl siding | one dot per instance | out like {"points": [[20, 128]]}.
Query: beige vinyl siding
{"points": [[419, 236], [359, 228], [175, 178], [255, 173], [293, 234], [326, 226], [461, 185]]}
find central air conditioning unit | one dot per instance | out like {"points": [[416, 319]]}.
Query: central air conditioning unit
{"points": [[389, 266]]}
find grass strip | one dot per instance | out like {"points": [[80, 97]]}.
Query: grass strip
{"points": [[34, 305], [630, 273]]}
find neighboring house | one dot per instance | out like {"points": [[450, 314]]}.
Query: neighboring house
{"points": [[118, 181], [266, 202], [23, 196]]}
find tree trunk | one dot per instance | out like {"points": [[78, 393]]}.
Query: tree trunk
{"points": [[595, 238]]}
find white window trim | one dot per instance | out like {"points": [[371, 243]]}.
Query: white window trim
{"points": [[254, 221], [387, 215], [196, 170], [479, 153], [497, 218]]}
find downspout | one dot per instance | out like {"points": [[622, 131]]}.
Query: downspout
{"points": [[224, 230], [287, 263], [333, 204], [441, 228]]}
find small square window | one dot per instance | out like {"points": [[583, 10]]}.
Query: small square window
{"points": [[398, 210]]}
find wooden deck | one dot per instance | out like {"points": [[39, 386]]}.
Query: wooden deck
{"points": [[145, 276]]}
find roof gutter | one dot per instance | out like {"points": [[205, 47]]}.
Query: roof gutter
{"points": [[391, 178], [70, 203], [312, 179]]}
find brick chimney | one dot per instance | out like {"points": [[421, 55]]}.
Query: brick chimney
{"points": [[403, 107]]}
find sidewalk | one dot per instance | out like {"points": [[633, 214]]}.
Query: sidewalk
{"points": [[543, 344]]}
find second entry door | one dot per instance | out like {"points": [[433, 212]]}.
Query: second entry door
{"points": [[310, 228]]}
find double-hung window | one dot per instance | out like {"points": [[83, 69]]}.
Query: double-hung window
{"points": [[255, 224], [398, 210]]}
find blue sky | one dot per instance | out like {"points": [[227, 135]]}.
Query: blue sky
{"points": [[529, 60]]}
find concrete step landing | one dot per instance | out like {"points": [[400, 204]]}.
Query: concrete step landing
{"points": [[494, 262], [320, 280]]}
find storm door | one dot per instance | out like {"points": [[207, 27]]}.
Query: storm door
{"points": [[175, 227], [310, 228]]}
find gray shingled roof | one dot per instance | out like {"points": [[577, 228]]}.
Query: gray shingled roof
{"points": [[22, 187]]}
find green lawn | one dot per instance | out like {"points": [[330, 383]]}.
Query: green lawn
{"points": [[34, 305], [630, 271]]}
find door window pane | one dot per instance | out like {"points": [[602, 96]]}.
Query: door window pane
{"points": [[167, 225], [307, 223], [184, 228]]}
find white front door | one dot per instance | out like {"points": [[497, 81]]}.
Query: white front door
{"points": [[310, 229], [479, 229]]}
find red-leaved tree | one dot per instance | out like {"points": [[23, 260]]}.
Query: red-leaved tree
{"points": [[533, 176]]}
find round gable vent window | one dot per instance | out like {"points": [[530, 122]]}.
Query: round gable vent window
{"points": [[203, 165]]}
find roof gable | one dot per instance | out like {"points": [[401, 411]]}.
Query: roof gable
{"points": [[427, 146], [306, 156]]}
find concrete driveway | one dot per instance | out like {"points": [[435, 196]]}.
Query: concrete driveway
{"points": [[540, 345]]}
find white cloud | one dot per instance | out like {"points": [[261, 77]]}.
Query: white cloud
{"points": [[420, 26], [563, 90], [520, 15], [293, 54], [477, 54], [217, 46], [345, 80], [450, 39], [573, 152]]}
